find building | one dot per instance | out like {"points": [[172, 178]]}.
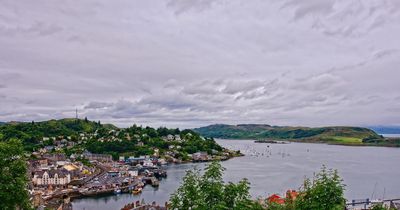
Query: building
{"points": [[113, 173], [98, 157], [200, 156], [170, 137], [275, 198], [51, 177], [55, 157], [133, 172]]}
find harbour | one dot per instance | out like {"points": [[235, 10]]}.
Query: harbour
{"points": [[367, 172]]}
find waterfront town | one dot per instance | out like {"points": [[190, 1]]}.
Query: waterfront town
{"points": [[57, 176]]}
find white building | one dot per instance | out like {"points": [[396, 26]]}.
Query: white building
{"points": [[51, 177]]}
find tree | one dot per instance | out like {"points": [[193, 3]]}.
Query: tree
{"points": [[188, 195], [13, 176], [210, 192], [325, 191]]}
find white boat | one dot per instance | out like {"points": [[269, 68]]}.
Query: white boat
{"points": [[117, 191]]}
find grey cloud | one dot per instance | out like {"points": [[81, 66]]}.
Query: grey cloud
{"points": [[242, 86], [318, 82], [384, 53], [203, 88], [182, 6], [194, 62], [38, 28], [97, 105], [310, 7]]}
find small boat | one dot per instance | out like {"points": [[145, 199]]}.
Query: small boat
{"points": [[137, 191], [117, 191]]}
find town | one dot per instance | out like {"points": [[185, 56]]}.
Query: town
{"points": [[64, 167]]}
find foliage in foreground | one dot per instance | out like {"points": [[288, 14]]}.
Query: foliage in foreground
{"points": [[209, 191], [325, 191], [13, 179]]}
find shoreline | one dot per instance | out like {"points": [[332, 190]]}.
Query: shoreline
{"points": [[318, 142], [76, 195]]}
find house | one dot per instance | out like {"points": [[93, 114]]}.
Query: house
{"points": [[148, 163], [135, 160], [49, 148], [178, 138], [156, 152], [200, 156], [51, 177], [43, 162], [55, 157], [291, 194], [275, 198], [170, 137], [73, 170], [133, 172]]}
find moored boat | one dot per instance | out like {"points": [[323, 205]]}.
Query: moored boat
{"points": [[137, 191]]}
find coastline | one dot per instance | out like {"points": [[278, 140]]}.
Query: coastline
{"points": [[384, 143]]}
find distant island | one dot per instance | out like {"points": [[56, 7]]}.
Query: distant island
{"points": [[343, 135]]}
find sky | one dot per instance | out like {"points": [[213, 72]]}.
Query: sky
{"points": [[190, 63]]}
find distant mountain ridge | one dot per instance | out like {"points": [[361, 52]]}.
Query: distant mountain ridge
{"points": [[386, 129], [264, 131]]}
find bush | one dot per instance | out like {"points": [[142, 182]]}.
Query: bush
{"points": [[325, 191]]}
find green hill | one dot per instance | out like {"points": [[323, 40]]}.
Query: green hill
{"points": [[32, 132], [106, 138], [339, 134]]}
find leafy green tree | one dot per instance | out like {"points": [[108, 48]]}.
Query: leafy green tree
{"points": [[188, 195], [325, 191], [210, 192], [13, 176], [212, 185]]}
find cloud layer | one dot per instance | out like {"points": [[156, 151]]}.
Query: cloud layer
{"points": [[189, 63]]}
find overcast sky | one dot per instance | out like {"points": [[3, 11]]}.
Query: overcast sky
{"points": [[190, 63]]}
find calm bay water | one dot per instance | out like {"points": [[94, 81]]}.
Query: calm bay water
{"points": [[368, 172]]}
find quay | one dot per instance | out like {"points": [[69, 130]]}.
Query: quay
{"points": [[362, 204]]}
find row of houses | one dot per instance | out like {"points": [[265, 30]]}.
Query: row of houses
{"points": [[56, 170], [97, 157], [54, 177]]}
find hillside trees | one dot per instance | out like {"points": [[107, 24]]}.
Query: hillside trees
{"points": [[13, 178]]}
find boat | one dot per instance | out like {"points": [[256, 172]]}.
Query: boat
{"points": [[117, 191], [137, 191]]}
